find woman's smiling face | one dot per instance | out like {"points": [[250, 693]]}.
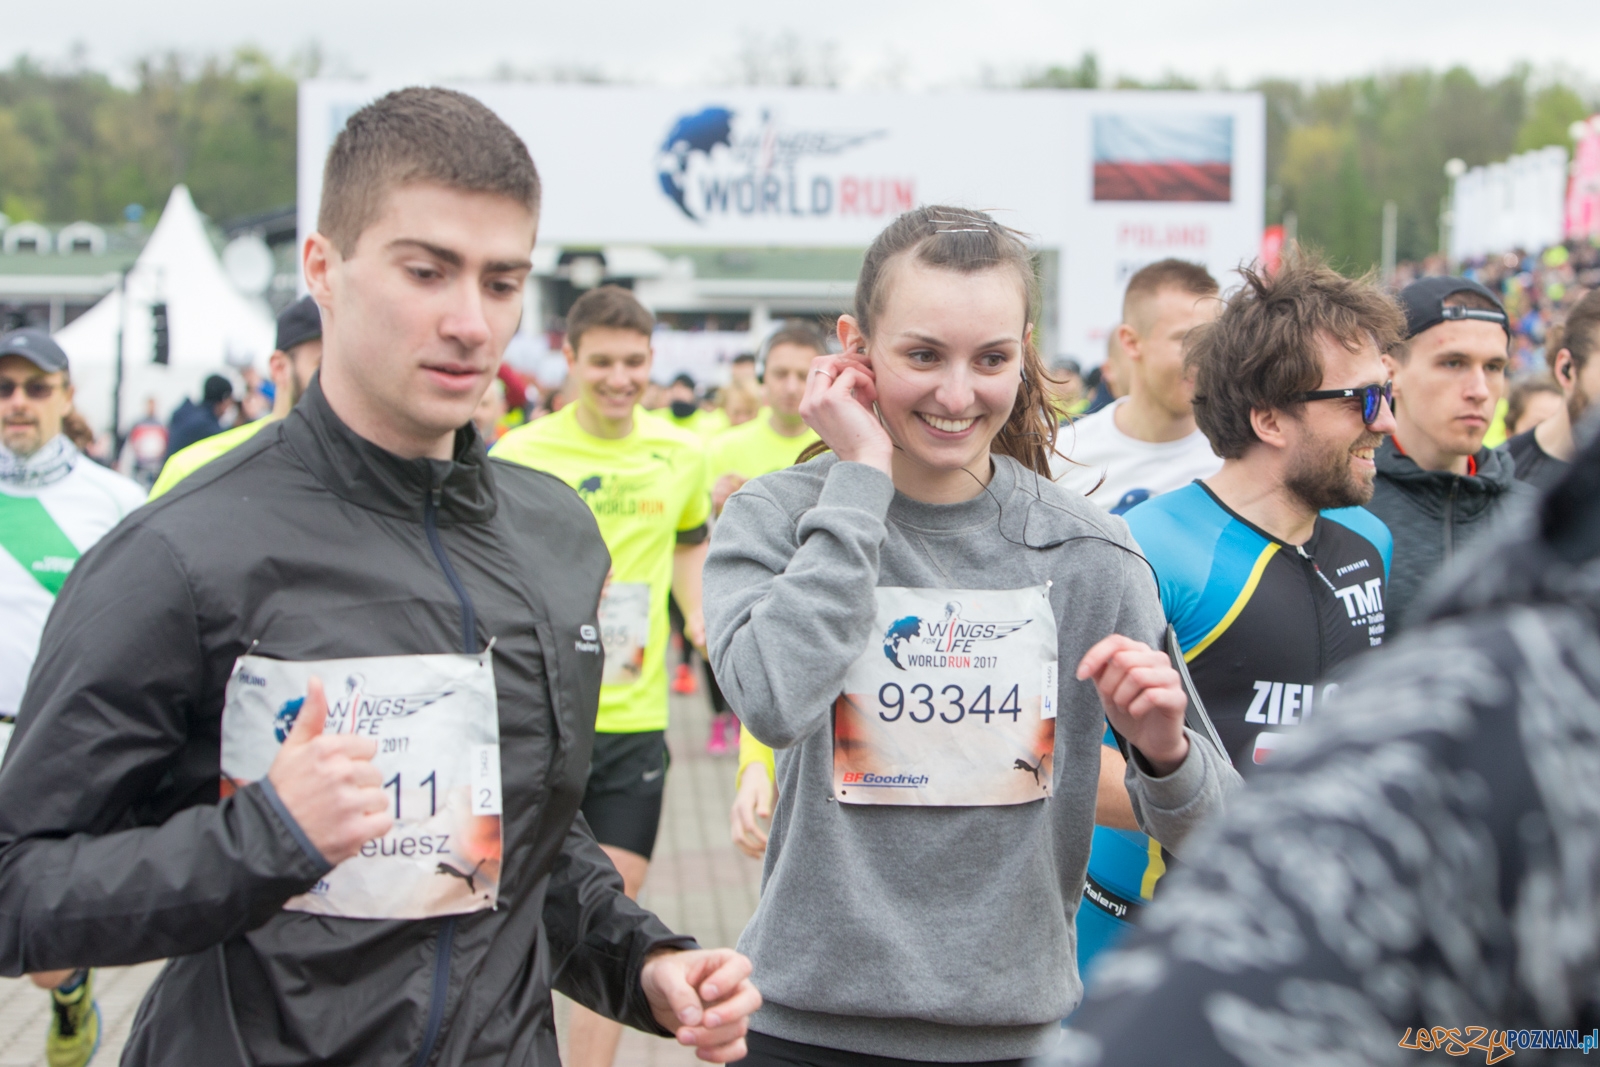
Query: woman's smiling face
{"points": [[946, 352]]}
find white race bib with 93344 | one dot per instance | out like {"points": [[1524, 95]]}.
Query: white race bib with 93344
{"points": [[437, 725], [952, 703]]}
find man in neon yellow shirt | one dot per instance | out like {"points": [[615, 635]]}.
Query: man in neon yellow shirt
{"points": [[770, 442], [293, 362], [646, 482]]}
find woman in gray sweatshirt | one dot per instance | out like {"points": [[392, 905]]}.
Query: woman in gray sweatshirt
{"points": [[931, 635]]}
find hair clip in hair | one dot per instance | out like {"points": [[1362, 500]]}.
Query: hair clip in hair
{"points": [[952, 223]]}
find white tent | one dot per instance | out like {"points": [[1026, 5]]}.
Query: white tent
{"points": [[211, 326]]}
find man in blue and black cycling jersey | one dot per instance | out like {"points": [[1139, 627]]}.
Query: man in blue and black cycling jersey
{"points": [[1271, 572]]}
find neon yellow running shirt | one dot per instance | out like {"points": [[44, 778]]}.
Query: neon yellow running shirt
{"points": [[643, 489], [186, 461], [754, 448]]}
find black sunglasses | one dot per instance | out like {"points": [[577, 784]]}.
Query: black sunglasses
{"points": [[34, 390], [1371, 396]]}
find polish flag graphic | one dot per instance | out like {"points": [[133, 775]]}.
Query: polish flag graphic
{"points": [[1163, 157]]}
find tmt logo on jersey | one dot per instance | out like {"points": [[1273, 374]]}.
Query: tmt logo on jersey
{"points": [[1363, 602], [947, 642]]}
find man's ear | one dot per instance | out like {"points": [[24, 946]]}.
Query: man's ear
{"points": [[569, 354], [317, 260], [1128, 341], [1268, 423], [279, 368], [1563, 371]]}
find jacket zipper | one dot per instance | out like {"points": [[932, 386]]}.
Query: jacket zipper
{"points": [[1450, 519], [447, 930]]}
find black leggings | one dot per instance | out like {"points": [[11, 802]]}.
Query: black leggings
{"points": [[767, 1051], [719, 703]]}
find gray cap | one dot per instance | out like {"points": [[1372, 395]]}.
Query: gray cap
{"points": [[36, 347]]}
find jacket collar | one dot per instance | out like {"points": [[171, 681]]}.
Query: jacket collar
{"points": [[358, 471], [1540, 556], [1494, 474]]}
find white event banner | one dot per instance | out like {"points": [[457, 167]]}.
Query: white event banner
{"points": [[1110, 180]]}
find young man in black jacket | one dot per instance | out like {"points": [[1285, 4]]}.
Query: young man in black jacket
{"points": [[316, 725], [1437, 486]]}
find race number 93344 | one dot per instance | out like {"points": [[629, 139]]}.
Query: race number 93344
{"points": [[952, 702]]}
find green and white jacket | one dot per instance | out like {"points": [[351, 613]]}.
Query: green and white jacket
{"points": [[54, 504]]}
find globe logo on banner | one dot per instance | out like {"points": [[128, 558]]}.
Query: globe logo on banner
{"points": [[719, 163], [1172, 157]]}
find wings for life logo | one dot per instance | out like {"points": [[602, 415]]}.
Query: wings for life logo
{"points": [[948, 642], [718, 163], [357, 710], [610, 495]]}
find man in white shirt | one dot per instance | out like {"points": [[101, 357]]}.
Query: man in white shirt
{"points": [[55, 503], [1146, 443]]}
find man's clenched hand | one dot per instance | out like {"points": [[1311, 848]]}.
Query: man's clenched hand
{"points": [[705, 997]]}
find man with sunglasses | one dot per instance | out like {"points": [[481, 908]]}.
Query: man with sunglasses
{"points": [[1270, 570], [1437, 486], [54, 503]]}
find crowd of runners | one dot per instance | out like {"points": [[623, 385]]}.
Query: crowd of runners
{"points": [[1022, 680]]}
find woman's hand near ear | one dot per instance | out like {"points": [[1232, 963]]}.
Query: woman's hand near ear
{"points": [[840, 392]]}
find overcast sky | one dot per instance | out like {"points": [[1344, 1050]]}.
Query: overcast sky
{"points": [[909, 42]]}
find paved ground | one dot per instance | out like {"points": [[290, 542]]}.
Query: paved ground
{"points": [[699, 884]]}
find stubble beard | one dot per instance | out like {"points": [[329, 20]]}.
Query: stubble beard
{"points": [[1322, 479]]}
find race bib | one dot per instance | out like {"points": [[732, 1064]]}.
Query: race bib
{"points": [[437, 726], [624, 631], [953, 702]]}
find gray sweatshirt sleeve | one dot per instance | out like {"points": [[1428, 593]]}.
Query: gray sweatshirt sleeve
{"points": [[789, 606], [1168, 808]]}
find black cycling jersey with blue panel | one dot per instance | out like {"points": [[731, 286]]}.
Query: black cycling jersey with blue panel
{"points": [[1262, 622]]}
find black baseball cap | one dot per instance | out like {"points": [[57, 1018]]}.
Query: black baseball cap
{"points": [[300, 322], [36, 347], [1423, 302]]}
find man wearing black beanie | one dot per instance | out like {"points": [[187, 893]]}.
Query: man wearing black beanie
{"points": [[1437, 486], [292, 364]]}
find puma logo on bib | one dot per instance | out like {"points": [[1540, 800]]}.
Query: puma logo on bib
{"points": [[437, 725], [953, 701]]}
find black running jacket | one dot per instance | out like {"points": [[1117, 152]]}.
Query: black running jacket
{"points": [[310, 543]]}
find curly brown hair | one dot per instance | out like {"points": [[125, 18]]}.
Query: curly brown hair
{"points": [[1262, 351]]}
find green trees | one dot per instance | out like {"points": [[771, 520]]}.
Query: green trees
{"points": [[76, 145], [1338, 150]]}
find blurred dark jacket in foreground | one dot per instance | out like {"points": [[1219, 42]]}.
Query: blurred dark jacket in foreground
{"points": [[1427, 855]]}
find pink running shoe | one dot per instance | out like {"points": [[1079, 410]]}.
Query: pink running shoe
{"points": [[718, 745]]}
